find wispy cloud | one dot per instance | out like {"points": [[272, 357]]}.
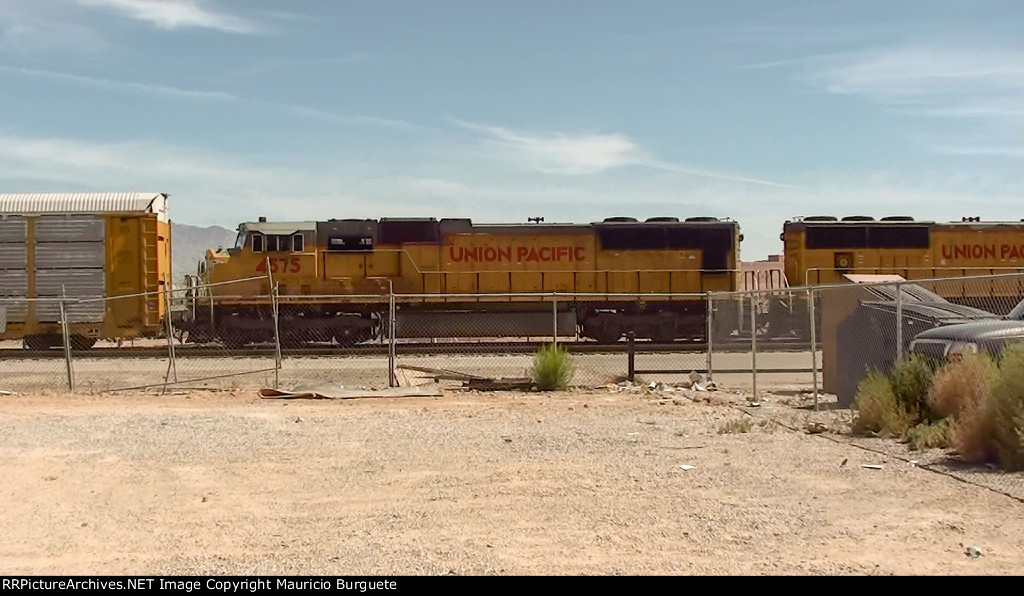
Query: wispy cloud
{"points": [[168, 92], [981, 87], [716, 175], [260, 68], [175, 14], [344, 119], [931, 80], [799, 60], [122, 86], [559, 153], [913, 72], [39, 26], [981, 150]]}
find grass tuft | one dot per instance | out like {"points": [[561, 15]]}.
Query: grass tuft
{"points": [[736, 425], [553, 368]]}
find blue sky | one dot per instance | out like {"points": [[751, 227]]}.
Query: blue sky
{"points": [[500, 111]]}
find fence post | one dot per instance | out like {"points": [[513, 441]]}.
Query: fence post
{"points": [[274, 293], [899, 321], [554, 319], [814, 345], [67, 346], [631, 356], [392, 377], [708, 323], [277, 328], [170, 333], [753, 344]]}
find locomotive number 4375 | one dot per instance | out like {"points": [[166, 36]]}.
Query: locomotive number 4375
{"points": [[280, 265]]}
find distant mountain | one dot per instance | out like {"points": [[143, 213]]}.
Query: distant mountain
{"points": [[189, 244]]}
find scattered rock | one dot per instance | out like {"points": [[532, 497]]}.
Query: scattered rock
{"points": [[972, 552], [816, 427], [872, 466], [298, 419]]}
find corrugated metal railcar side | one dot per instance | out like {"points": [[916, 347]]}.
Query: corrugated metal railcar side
{"points": [[88, 249]]}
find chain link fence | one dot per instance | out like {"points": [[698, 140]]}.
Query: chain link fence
{"points": [[31, 364], [334, 340], [823, 338], [819, 342]]}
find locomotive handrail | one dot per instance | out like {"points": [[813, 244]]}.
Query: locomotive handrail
{"points": [[807, 272], [554, 294]]}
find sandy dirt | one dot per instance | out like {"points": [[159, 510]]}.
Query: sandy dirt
{"points": [[582, 482]]}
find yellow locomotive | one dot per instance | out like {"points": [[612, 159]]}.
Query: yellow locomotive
{"points": [[822, 249], [456, 278]]}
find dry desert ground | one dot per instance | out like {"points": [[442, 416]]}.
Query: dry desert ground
{"points": [[596, 481]]}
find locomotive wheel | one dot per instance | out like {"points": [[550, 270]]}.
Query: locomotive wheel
{"points": [[235, 342], [664, 333], [38, 342], [603, 330], [81, 342], [350, 336]]}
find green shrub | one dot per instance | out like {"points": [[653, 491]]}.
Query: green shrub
{"points": [[878, 408], [552, 368], [911, 379], [960, 387], [973, 432], [928, 436], [1006, 409]]}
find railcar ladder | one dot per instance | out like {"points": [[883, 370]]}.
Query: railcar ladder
{"points": [[151, 271]]}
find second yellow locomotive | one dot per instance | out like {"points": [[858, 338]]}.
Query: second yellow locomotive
{"points": [[822, 249], [455, 278]]}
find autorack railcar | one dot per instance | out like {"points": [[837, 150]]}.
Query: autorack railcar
{"points": [[88, 249]]}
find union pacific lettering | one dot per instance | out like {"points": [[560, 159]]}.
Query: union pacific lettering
{"points": [[491, 254], [982, 251]]}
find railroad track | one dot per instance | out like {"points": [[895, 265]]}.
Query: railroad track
{"points": [[419, 348]]}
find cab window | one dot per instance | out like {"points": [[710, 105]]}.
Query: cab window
{"points": [[297, 243], [257, 243], [272, 244]]}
